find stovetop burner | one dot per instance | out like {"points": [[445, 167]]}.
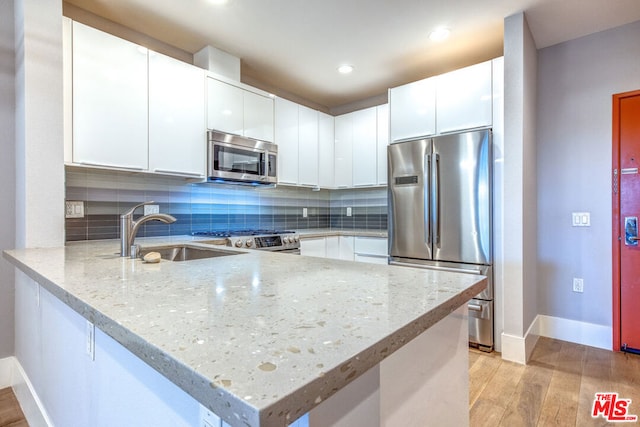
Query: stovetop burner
{"points": [[238, 233]]}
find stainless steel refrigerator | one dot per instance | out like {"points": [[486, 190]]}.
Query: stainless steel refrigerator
{"points": [[440, 213]]}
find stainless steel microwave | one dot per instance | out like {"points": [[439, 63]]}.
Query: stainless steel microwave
{"points": [[233, 158]]}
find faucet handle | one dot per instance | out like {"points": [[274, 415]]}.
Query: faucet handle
{"points": [[130, 212]]}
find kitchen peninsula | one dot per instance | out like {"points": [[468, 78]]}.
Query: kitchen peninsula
{"points": [[258, 338]]}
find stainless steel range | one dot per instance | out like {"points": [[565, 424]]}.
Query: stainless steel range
{"points": [[268, 240]]}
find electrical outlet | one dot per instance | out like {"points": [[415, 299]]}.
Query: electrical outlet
{"points": [[348, 211], [578, 285], [37, 294], [151, 209], [91, 340], [304, 212], [74, 209]]}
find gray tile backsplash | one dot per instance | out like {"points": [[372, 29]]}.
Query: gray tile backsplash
{"points": [[204, 207]]}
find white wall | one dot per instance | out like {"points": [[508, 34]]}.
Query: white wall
{"points": [[519, 218], [576, 82], [7, 174], [39, 124]]}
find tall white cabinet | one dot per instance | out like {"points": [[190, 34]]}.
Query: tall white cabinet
{"points": [[107, 131], [176, 117]]}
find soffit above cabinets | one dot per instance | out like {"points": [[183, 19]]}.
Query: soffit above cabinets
{"points": [[296, 46]]}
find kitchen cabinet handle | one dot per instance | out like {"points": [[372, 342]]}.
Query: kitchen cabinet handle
{"points": [[435, 267], [133, 168], [198, 175], [475, 307]]}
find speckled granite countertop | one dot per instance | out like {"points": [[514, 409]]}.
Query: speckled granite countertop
{"points": [[260, 338]]}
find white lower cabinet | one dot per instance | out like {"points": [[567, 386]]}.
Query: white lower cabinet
{"points": [[363, 249], [315, 246], [373, 250]]}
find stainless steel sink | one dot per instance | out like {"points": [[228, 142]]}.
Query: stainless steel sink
{"points": [[187, 253]]}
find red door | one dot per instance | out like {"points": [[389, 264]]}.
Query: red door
{"points": [[626, 127]]}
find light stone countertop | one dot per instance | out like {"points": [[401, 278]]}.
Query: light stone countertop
{"points": [[260, 338]]}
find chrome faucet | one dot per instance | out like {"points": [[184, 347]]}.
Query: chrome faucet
{"points": [[129, 227]]}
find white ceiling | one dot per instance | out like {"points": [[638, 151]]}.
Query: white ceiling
{"points": [[297, 45]]}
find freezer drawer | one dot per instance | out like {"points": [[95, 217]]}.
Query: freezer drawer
{"points": [[481, 324]]}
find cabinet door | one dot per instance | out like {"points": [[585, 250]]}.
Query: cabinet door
{"points": [[177, 130], [307, 146], [326, 141], [382, 143], [225, 107], [344, 151], [287, 140], [365, 158], [258, 116], [313, 247], [464, 98], [346, 248], [109, 100], [333, 247], [413, 110]]}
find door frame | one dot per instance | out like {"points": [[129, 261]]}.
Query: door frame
{"points": [[615, 217]]}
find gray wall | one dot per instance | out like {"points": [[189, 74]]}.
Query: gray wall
{"points": [[576, 82], [7, 174]]}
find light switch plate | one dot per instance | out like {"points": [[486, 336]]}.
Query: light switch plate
{"points": [[305, 212], [348, 211], [74, 209], [581, 219]]}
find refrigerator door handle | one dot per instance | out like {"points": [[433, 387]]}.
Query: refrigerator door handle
{"points": [[436, 200], [427, 202]]}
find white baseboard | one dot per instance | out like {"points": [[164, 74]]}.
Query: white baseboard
{"points": [[12, 375], [6, 370], [518, 349], [574, 331]]}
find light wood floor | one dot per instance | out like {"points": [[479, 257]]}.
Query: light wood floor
{"points": [[10, 413], [556, 388]]}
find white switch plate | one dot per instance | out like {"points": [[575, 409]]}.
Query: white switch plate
{"points": [[578, 285], [304, 212], [151, 209], [74, 209], [581, 219], [348, 211]]}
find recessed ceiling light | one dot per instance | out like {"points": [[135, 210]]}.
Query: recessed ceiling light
{"points": [[439, 34], [345, 69], [218, 2]]}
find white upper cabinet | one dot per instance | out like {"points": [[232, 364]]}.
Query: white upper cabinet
{"points": [[225, 107], [307, 146], [464, 98], [286, 132], [383, 142], [109, 100], [235, 110], [258, 116], [177, 130], [365, 152], [326, 141], [413, 110], [343, 151]]}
